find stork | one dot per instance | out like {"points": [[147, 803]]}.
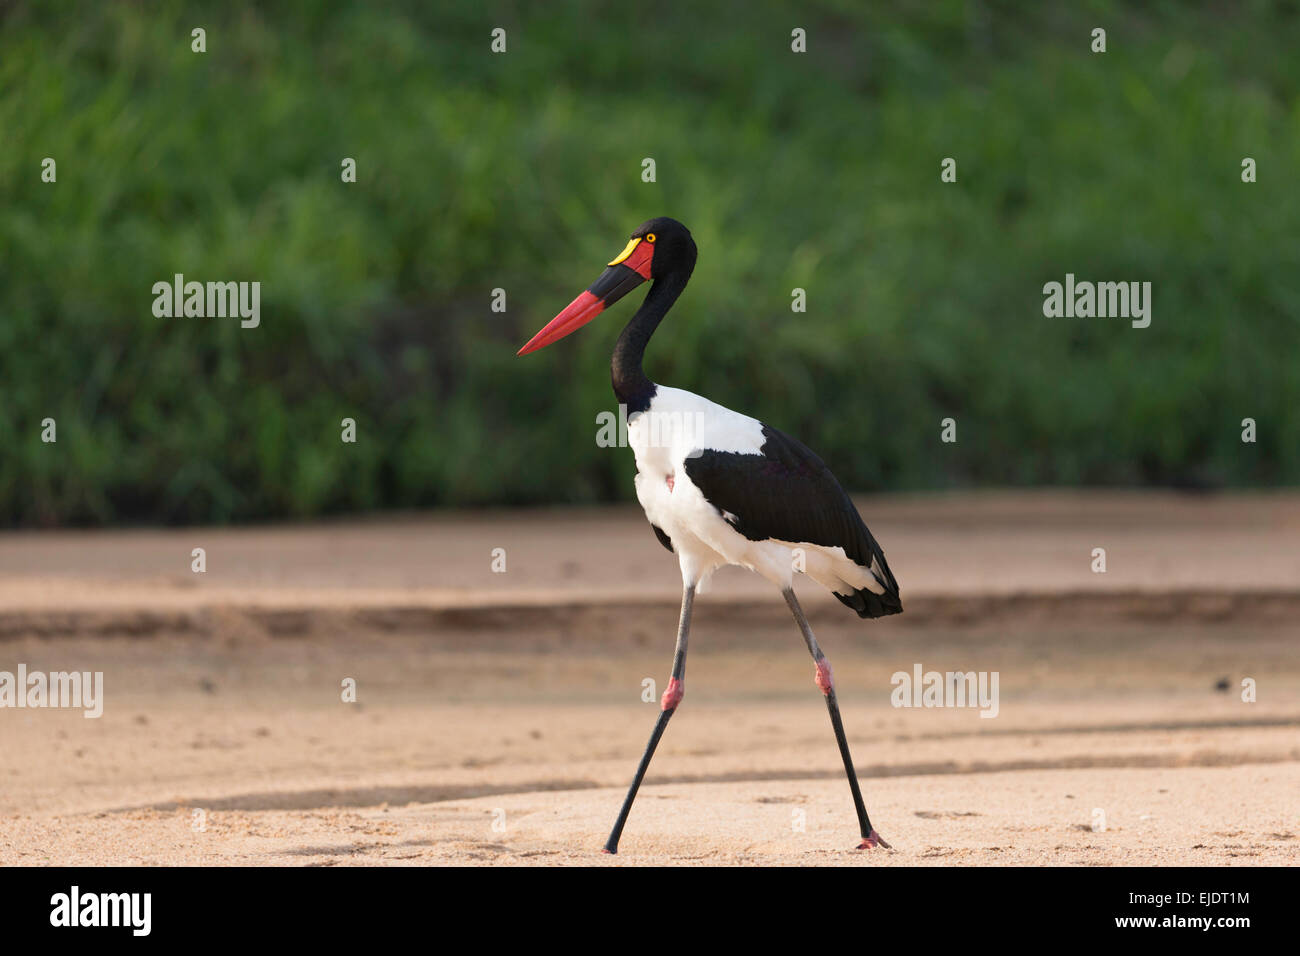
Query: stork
{"points": [[721, 488]]}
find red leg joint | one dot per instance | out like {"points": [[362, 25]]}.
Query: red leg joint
{"points": [[824, 679], [673, 695]]}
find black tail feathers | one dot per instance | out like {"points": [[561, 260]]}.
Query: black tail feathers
{"points": [[868, 604]]}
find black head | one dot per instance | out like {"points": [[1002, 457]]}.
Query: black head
{"points": [[674, 249]]}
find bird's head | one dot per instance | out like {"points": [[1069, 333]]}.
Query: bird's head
{"points": [[657, 248]]}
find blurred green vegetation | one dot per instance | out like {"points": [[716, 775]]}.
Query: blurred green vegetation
{"points": [[523, 171]]}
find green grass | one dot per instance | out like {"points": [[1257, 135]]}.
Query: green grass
{"points": [[522, 171]]}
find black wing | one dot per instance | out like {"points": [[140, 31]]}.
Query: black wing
{"points": [[786, 492]]}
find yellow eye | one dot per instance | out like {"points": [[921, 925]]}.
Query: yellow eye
{"points": [[649, 237]]}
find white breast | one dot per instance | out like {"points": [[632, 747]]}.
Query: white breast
{"points": [[677, 425]]}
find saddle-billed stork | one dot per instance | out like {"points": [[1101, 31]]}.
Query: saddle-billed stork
{"points": [[722, 488]]}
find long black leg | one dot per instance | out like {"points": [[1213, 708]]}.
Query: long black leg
{"points": [[668, 703], [870, 838]]}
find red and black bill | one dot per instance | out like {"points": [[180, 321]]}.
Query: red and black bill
{"points": [[625, 273]]}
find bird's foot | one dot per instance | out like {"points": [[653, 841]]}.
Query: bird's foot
{"points": [[873, 840]]}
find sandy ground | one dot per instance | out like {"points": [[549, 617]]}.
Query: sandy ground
{"points": [[496, 726]]}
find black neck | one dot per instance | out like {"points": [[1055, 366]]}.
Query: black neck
{"points": [[631, 386]]}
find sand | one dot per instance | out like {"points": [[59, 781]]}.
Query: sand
{"points": [[499, 716]]}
